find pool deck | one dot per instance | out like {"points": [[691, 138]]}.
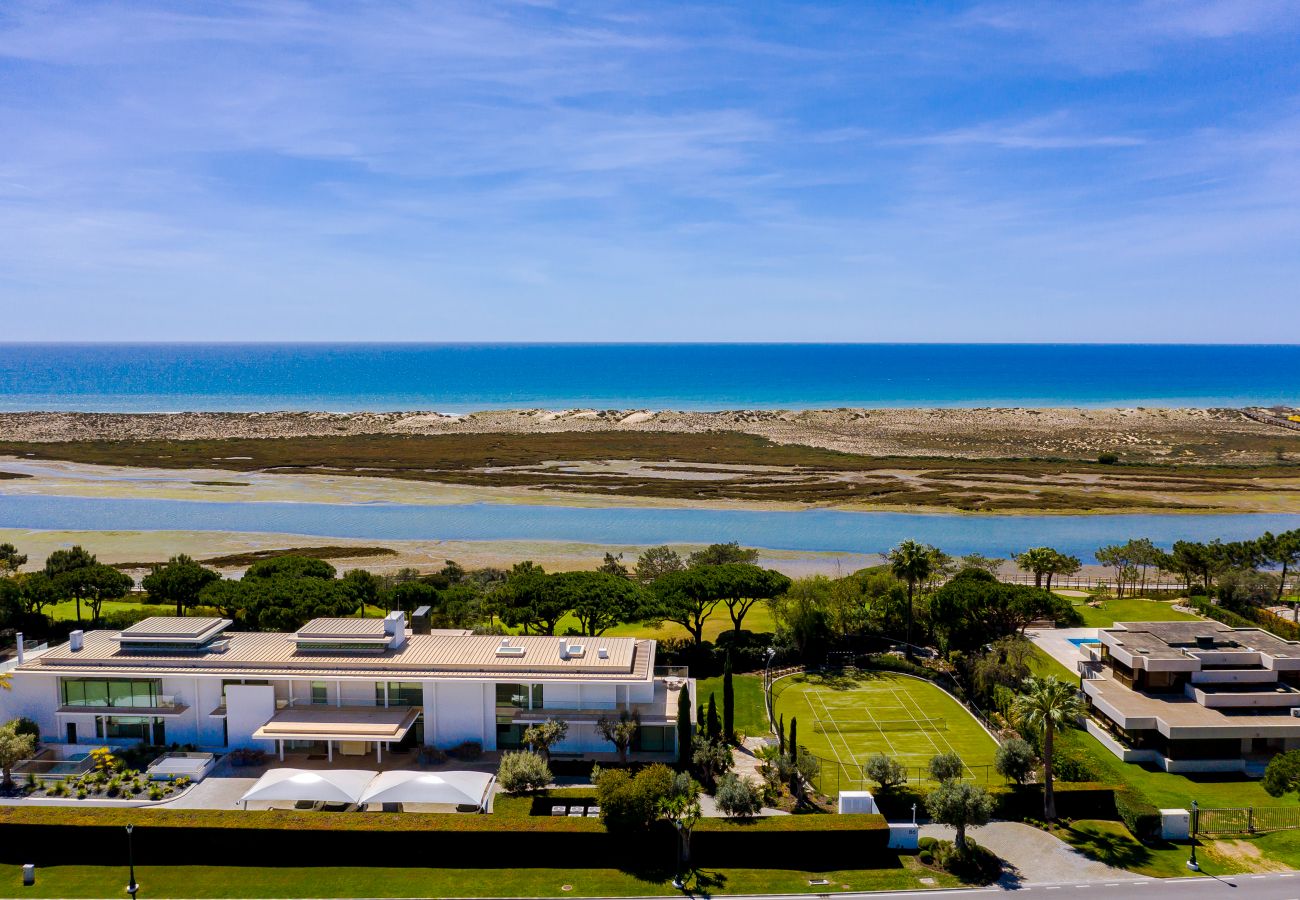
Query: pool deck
{"points": [[1056, 643]]}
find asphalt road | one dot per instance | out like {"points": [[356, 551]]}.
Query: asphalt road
{"points": [[1282, 886]]}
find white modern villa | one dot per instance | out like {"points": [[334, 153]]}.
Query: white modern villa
{"points": [[339, 687], [1194, 696]]}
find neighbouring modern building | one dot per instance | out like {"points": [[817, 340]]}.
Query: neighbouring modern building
{"points": [[1194, 696], [339, 686]]}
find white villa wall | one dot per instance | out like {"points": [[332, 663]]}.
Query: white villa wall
{"points": [[598, 696], [562, 696], [463, 711], [641, 692], [248, 708]]}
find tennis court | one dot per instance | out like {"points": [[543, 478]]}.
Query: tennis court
{"points": [[848, 717]]}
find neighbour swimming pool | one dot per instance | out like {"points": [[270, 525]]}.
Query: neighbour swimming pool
{"points": [[1079, 642]]}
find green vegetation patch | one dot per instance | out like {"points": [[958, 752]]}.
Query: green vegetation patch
{"points": [[847, 718], [1130, 609], [750, 709]]}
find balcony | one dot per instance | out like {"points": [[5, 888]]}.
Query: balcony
{"points": [[158, 705], [661, 709]]}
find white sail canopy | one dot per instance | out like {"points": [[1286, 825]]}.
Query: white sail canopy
{"points": [[326, 785], [458, 788]]}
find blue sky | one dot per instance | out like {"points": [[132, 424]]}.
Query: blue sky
{"points": [[1082, 171]]}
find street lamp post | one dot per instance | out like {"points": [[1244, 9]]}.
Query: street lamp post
{"points": [[1196, 815], [767, 687], [132, 887]]}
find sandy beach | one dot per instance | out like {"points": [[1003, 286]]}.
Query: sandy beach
{"points": [[1157, 434]]}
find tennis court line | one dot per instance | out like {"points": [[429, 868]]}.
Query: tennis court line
{"points": [[949, 743], [843, 741], [866, 707], [817, 720], [902, 701]]}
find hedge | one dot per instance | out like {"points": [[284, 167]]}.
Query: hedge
{"points": [[63, 835], [1074, 800], [1140, 817]]}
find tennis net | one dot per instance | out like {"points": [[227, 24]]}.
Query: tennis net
{"points": [[938, 723]]}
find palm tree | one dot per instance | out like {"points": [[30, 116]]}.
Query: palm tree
{"points": [[912, 562], [1046, 703], [1037, 560]]}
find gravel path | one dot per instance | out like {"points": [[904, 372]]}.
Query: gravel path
{"points": [[1033, 856]]}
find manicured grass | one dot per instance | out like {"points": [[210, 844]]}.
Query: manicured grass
{"points": [[397, 881], [1131, 609], [67, 611], [1111, 843], [751, 714], [849, 718], [758, 619]]}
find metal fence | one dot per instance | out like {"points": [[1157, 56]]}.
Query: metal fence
{"points": [[1247, 819], [834, 776]]}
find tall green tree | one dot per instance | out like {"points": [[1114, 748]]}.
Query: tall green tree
{"points": [[95, 584], [742, 585], [728, 700], [1047, 705], [687, 598], [912, 562], [656, 562], [960, 805], [599, 600], [363, 588], [532, 599], [15, 746], [685, 733], [1063, 564], [10, 559], [721, 555], [180, 581], [713, 725], [1282, 550]]}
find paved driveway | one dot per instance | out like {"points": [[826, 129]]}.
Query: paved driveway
{"points": [[1034, 856]]}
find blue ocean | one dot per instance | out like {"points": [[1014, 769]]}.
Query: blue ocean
{"points": [[467, 377]]}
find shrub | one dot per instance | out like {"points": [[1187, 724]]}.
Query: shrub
{"points": [[886, 772], [926, 857], [1071, 764], [1107, 459], [522, 771], [155, 792], [926, 843], [466, 751], [946, 767], [1140, 817], [247, 756], [1015, 760], [431, 755], [24, 725], [631, 804], [737, 797]]}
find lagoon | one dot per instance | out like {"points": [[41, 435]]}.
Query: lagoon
{"points": [[811, 530]]}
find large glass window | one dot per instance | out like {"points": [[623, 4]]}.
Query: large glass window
{"points": [[537, 697], [319, 693], [400, 693], [654, 738], [110, 692], [129, 728], [510, 737], [515, 695]]}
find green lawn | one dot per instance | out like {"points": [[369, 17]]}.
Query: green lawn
{"points": [[398, 881], [1111, 843], [67, 611], [1130, 609], [751, 714], [849, 718]]}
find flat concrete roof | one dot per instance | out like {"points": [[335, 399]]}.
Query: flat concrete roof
{"points": [[259, 654], [175, 628], [330, 629], [339, 723], [1180, 717]]}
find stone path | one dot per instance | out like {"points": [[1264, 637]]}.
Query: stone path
{"points": [[1033, 856]]}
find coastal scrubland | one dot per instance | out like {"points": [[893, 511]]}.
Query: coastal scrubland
{"points": [[729, 466]]}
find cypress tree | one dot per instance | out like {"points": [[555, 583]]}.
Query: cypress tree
{"points": [[794, 756], [713, 723], [780, 734], [684, 728], [728, 700]]}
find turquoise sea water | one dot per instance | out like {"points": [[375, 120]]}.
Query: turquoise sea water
{"points": [[465, 377], [805, 530]]}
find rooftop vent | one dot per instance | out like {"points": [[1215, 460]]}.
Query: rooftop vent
{"points": [[75, 639], [603, 653], [564, 649]]}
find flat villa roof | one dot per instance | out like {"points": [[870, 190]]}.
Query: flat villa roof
{"points": [[1172, 640], [442, 655], [175, 628], [1180, 717], [339, 723]]}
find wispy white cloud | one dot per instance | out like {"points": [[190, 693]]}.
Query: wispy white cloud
{"points": [[481, 170]]}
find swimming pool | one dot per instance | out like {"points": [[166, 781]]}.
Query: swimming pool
{"points": [[1079, 642]]}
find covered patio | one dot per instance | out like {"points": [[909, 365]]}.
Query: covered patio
{"points": [[352, 728]]}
